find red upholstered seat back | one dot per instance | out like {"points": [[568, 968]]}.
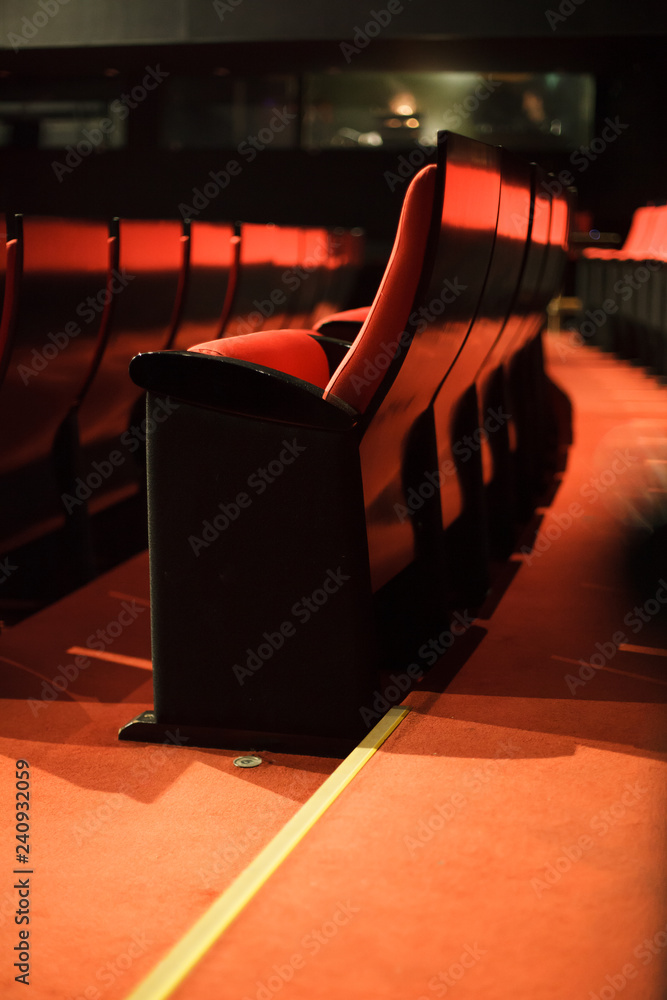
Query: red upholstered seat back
{"points": [[638, 237], [211, 272], [390, 311], [150, 263], [657, 247]]}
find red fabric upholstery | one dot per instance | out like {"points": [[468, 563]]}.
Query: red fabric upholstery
{"points": [[636, 241], [347, 316], [389, 314], [294, 352]]}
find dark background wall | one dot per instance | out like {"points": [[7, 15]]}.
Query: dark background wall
{"points": [[138, 22], [621, 45]]}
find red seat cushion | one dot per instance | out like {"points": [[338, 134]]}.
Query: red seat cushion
{"points": [[294, 352]]}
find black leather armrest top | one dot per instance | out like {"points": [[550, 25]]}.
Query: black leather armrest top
{"points": [[334, 349], [240, 387], [343, 330]]}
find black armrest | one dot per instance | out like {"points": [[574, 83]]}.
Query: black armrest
{"points": [[239, 387], [344, 330], [334, 349]]}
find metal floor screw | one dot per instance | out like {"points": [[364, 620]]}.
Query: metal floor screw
{"points": [[248, 761]]}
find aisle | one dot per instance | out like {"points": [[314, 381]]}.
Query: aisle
{"points": [[129, 843], [506, 842]]}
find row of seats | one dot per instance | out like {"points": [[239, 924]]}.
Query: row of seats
{"points": [[315, 515], [623, 292], [80, 298]]}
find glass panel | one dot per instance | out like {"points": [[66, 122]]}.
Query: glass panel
{"points": [[60, 123], [106, 132], [224, 112], [532, 110]]}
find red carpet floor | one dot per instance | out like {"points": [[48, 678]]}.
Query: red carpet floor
{"points": [[507, 842], [129, 843]]}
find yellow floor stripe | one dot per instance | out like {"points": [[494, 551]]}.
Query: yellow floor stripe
{"points": [[181, 960], [99, 654], [129, 597], [625, 647], [611, 670]]}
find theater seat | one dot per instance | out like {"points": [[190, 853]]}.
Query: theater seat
{"points": [[293, 352], [152, 267], [212, 273], [12, 274], [345, 325], [58, 326], [599, 269], [275, 505]]}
